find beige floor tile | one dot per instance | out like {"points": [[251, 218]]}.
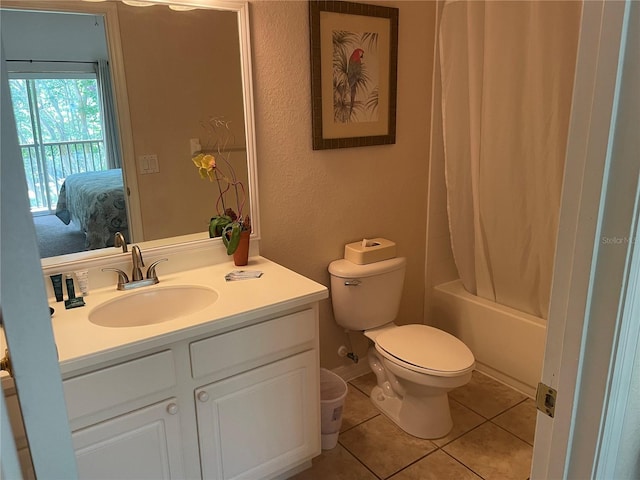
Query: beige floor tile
{"points": [[486, 396], [383, 447], [336, 464], [436, 466], [365, 383], [520, 420], [493, 453], [357, 409], [463, 421]]}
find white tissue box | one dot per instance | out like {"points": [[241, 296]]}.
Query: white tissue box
{"points": [[369, 251]]}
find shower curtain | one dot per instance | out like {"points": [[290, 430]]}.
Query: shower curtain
{"points": [[507, 70]]}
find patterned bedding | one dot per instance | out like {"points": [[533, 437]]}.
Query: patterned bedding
{"points": [[95, 202]]}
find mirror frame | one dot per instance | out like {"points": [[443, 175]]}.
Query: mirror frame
{"points": [[109, 11]]}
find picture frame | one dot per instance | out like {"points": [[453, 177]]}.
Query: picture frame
{"points": [[354, 64]]}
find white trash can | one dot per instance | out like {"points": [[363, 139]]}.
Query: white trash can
{"points": [[333, 391]]}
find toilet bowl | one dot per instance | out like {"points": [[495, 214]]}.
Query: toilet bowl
{"points": [[415, 365]]}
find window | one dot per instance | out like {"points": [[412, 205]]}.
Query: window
{"points": [[60, 130]]}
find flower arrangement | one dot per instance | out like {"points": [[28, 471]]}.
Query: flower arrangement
{"points": [[216, 166]]}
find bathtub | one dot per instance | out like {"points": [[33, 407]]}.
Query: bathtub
{"points": [[508, 344]]}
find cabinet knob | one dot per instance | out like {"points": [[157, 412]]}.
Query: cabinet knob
{"points": [[203, 396], [172, 409]]}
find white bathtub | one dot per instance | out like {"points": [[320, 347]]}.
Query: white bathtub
{"points": [[508, 344]]}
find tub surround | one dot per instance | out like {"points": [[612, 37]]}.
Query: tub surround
{"points": [[508, 344]]}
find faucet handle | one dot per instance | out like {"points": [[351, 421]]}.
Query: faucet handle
{"points": [[151, 271], [122, 277]]}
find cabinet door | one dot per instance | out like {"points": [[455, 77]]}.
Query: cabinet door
{"points": [[260, 422], [143, 444]]}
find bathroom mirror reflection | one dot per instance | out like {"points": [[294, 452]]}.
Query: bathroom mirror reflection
{"points": [[171, 71]]}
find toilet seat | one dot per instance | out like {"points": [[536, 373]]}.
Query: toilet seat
{"points": [[425, 349]]}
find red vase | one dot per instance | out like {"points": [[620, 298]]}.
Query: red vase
{"points": [[241, 255]]}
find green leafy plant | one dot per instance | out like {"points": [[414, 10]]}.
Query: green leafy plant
{"points": [[214, 164]]}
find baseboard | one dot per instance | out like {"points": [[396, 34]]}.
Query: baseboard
{"points": [[293, 471], [514, 383], [349, 372]]}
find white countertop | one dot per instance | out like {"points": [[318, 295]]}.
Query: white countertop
{"points": [[82, 344]]}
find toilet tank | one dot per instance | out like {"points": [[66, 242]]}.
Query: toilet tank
{"points": [[366, 296]]}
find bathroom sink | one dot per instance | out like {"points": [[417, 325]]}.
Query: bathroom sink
{"points": [[152, 306]]}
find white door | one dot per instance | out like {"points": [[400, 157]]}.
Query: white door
{"points": [[143, 444], [260, 422], [593, 257], [25, 314]]}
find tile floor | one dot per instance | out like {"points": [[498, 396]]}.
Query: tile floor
{"points": [[492, 438]]}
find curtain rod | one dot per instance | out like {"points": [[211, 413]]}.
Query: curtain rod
{"points": [[50, 61]]}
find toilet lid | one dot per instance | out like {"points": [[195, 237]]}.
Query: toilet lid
{"points": [[426, 349]]}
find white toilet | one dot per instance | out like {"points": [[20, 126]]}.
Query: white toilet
{"points": [[415, 365]]}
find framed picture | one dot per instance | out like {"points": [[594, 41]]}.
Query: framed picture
{"points": [[354, 63]]}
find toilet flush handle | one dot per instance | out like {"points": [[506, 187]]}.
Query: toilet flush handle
{"points": [[352, 283]]}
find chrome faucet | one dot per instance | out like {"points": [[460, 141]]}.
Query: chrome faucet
{"points": [[119, 241], [137, 279]]}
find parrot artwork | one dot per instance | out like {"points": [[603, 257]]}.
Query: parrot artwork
{"points": [[354, 71]]}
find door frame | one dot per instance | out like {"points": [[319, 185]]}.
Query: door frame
{"points": [[25, 313], [591, 276]]}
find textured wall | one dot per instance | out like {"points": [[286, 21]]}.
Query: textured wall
{"points": [[313, 202]]}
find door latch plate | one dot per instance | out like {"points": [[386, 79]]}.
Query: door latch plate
{"points": [[546, 399]]}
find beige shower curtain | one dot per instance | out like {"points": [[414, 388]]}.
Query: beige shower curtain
{"points": [[507, 71]]}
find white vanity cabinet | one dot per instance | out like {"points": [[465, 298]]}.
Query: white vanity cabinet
{"points": [[264, 420], [258, 423], [143, 444], [228, 392], [234, 403], [141, 436]]}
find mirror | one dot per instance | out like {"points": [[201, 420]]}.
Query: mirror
{"points": [[172, 71]]}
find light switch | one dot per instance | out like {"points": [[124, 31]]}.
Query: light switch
{"points": [[194, 145], [148, 164], [143, 164], [153, 165]]}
